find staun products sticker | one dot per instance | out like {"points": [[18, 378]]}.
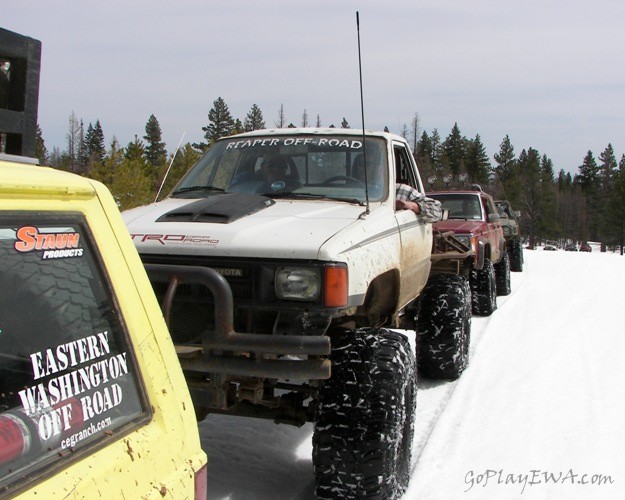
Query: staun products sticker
{"points": [[52, 245]]}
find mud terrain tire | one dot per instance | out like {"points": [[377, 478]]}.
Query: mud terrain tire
{"points": [[516, 255], [483, 290], [502, 275], [444, 327], [365, 417]]}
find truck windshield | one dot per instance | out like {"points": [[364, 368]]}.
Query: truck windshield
{"points": [[460, 206], [312, 165]]}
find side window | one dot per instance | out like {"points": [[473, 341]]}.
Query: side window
{"points": [[490, 207], [404, 171], [68, 378]]}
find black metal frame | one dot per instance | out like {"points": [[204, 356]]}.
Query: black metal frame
{"points": [[19, 95]]}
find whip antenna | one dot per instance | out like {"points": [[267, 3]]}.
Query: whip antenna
{"points": [[169, 168], [362, 115]]}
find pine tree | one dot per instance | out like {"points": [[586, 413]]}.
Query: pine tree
{"points": [[56, 158], [94, 144], [424, 151], [237, 128], [529, 167], [588, 177], [507, 178], [220, 124], [547, 225], [430, 158], [607, 172], [281, 121], [254, 119], [81, 154], [318, 124], [437, 150], [615, 213], [131, 186], [607, 169], [105, 171], [569, 207], [404, 132], [414, 132], [589, 182], [70, 160], [135, 150], [424, 157], [454, 150], [41, 153], [155, 152], [506, 161], [305, 119], [476, 162], [344, 123]]}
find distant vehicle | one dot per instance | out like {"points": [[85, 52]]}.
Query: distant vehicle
{"points": [[473, 218], [550, 248], [571, 248], [511, 232], [585, 247]]}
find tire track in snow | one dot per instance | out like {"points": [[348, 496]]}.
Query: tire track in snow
{"points": [[433, 395]]}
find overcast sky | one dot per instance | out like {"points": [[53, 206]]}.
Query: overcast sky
{"points": [[548, 73]]}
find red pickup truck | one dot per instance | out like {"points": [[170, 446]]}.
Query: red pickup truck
{"points": [[473, 218]]}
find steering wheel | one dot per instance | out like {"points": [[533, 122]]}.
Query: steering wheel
{"points": [[349, 181]]}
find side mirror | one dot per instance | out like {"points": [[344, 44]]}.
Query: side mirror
{"points": [[493, 218], [445, 214]]}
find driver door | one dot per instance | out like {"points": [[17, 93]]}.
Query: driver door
{"points": [[415, 233]]}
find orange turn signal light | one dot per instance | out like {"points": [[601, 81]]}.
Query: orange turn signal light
{"points": [[335, 286]]}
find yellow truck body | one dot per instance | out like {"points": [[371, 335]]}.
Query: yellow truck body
{"points": [[93, 401]]}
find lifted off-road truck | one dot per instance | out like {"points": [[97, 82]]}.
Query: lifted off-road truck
{"points": [[281, 264], [472, 217], [511, 232]]}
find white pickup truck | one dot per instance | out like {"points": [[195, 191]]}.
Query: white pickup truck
{"points": [[282, 263]]}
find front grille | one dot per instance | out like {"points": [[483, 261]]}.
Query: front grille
{"points": [[242, 277], [256, 307], [192, 311]]}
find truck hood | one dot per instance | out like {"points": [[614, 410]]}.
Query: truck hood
{"points": [[219, 226], [459, 226]]}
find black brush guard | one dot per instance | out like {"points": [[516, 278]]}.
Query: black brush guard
{"points": [[222, 349]]}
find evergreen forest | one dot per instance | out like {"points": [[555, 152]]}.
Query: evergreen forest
{"points": [[561, 207]]}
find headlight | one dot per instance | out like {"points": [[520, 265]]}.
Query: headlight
{"points": [[465, 239], [468, 240], [296, 283]]}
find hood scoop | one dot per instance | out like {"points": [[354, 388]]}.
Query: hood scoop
{"points": [[218, 209]]}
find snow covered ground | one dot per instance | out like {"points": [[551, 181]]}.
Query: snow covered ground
{"points": [[539, 413]]}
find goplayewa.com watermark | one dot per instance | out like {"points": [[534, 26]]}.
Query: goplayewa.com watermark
{"points": [[534, 477]]}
